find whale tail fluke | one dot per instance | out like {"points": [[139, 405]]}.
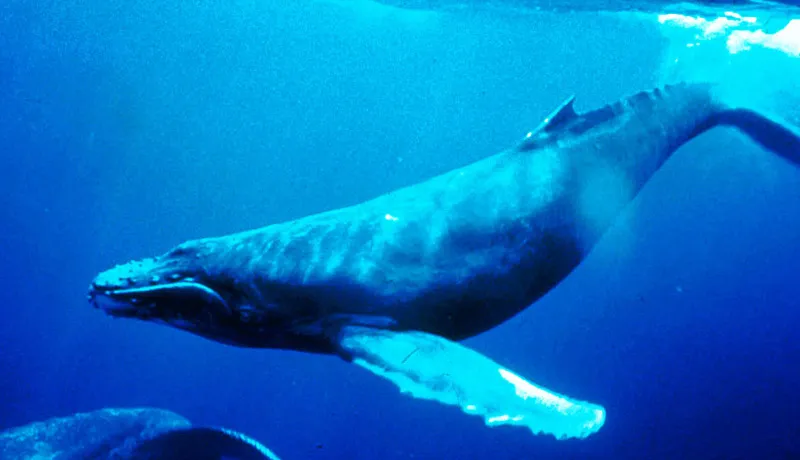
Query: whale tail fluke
{"points": [[775, 136]]}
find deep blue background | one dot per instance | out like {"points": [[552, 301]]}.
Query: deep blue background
{"points": [[128, 127]]}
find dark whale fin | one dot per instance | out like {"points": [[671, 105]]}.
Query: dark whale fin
{"points": [[430, 367], [562, 115], [777, 137], [203, 443], [127, 434]]}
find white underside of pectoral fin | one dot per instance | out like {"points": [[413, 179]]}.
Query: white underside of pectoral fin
{"points": [[430, 367]]}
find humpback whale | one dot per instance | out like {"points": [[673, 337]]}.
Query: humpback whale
{"points": [[127, 433], [394, 283]]}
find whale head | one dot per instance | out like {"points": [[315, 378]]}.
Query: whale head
{"points": [[191, 287]]}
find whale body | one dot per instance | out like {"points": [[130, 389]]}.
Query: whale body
{"points": [[127, 434], [393, 283]]}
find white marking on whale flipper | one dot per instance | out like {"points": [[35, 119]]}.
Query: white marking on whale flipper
{"points": [[427, 366]]}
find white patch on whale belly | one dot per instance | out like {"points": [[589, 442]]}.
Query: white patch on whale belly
{"points": [[546, 175], [603, 194], [335, 261], [313, 264]]}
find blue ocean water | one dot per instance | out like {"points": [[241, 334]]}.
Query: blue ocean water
{"points": [[128, 127]]}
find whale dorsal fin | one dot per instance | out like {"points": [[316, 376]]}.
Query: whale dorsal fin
{"points": [[428, 366], [562, 115]]}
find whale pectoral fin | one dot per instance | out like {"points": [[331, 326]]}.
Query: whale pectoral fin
{"points": [[431, 367], [201, 442]]}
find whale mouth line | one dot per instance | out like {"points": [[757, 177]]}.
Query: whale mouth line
{"points": [[156, 300]]}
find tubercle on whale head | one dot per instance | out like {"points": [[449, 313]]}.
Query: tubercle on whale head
{"points": [[187, 288]]}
